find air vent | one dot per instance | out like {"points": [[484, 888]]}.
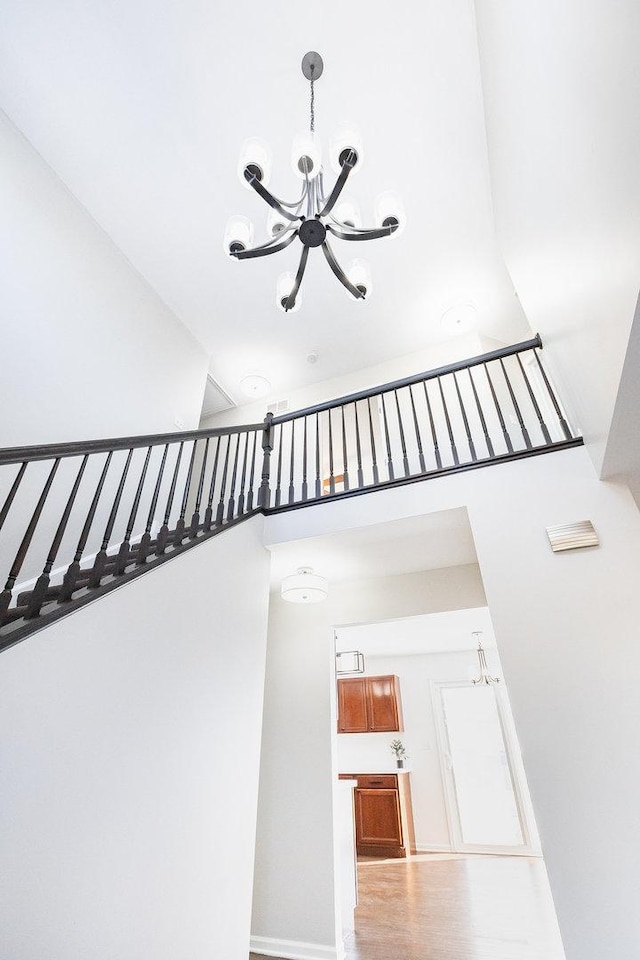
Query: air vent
{"points": [[572, 536], [278, 407]]}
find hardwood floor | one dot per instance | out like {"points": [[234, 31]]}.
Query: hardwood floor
{"points": [[470, 908], [454, 908]]}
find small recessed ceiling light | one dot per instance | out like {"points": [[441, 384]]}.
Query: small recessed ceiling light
{"points": [[312, 357], [459, 319], [255, 386]]}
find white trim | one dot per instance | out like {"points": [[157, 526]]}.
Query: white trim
{"points": [[434, 848], [294, 949], [441, 741]]}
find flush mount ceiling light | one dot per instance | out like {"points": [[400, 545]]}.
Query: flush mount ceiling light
{"points": [[315, 214], [255, 386], [305, 586], [459, 319]]}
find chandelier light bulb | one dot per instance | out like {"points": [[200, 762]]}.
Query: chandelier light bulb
{"points": [[276, 223], [389, 210], [283, 289], [256, 157], [306, 156], [347, 212], [237, 236], [345, 140], [359, 273]]}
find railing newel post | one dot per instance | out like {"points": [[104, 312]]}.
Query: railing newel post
{"points": [[264, 493]]}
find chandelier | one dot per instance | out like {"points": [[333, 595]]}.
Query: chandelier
{"points": [[317, 214], [485, 677]]}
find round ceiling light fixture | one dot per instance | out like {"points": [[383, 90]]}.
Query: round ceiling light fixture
{"points": [[305, 586], [460, 318], [255, 386]]}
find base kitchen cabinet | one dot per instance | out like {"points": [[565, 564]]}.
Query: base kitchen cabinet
{"points": [[383, 814]]}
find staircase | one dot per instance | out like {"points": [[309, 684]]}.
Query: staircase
{"points": [[116, 508]]}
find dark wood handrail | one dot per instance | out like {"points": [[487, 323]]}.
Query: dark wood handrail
{"points": [[499, 354], [78, 448]]}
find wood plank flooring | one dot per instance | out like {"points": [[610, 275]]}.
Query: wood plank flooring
{"points": [[471, 908], [454, 908]]}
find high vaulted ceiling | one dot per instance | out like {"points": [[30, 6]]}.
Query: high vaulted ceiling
{"points": [[141, 108]]}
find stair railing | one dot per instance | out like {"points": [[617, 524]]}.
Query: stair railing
{"points": [[117, 507], [114, 508]]}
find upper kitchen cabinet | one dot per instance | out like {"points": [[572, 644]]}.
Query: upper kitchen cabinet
{"points": [[369, 705]]}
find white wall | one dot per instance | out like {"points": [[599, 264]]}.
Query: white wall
{"points": [[560, 85], [622, 458], [294, 896], [130, 752], [88, 348], [566, 628], [450, 351]]}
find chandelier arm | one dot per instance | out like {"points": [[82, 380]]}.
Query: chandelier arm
{"points": [[268, 197], [291, 299], [265, 249], [339, 272], [278, 237], [298, 202], [373, 234], [321, 194], [309, 192], [337, 187], [347, 226]]}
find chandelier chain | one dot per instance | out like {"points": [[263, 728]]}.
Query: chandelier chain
{"points": [[312, 103]]}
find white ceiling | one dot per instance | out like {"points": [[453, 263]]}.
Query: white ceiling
{"points": [[141, 108], [449, 632], [429, 542]]}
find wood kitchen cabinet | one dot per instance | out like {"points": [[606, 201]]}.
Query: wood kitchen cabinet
{"points": [[369, 705], [383, 814]]}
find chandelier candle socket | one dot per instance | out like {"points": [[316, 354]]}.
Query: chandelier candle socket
{"points": [[316, 214]]}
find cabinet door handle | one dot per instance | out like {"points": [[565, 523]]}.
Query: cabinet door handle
{"points": [[375, 783]]}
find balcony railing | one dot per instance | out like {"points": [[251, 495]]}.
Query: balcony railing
{"points": [[495, 407], [79, 519]]}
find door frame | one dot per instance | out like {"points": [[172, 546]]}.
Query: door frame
{"points": [[530, 845]]}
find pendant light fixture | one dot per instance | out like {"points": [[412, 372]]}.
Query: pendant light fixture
{"points": [[318, 213], [485, 677]]}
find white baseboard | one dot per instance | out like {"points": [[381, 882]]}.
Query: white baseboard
{"points": [[294, 949], [433, 848]]}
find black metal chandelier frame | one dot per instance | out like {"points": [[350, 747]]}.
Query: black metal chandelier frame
{"points": [[313, 225]]}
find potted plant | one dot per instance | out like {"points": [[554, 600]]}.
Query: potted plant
{"points": [[398, 749]]}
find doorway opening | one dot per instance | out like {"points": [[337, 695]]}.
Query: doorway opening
{"points": [[469, 868]]}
